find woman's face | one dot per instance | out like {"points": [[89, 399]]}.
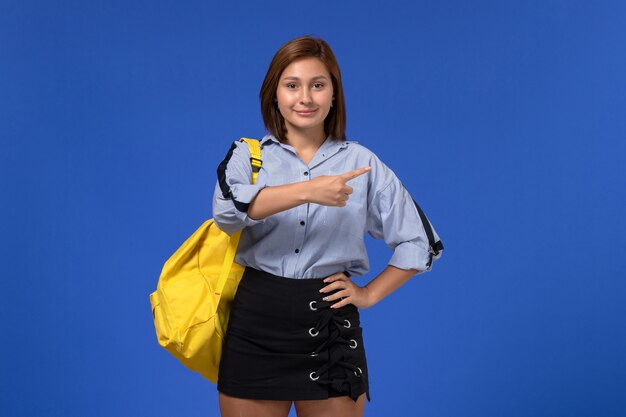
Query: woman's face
{"points": [[305, 95]]}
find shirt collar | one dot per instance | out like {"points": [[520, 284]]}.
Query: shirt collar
{"points": [[268, 138], [327, 143]]}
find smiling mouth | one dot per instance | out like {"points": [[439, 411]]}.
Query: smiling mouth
{"points": [[305, 112]]}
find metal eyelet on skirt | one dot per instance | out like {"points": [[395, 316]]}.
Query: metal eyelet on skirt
{"points": [[312, 332], [355, 344], [347, 325], [360, 372], [314, 376], [312, 305]]}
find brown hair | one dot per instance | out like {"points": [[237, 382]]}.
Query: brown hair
{"points": [[302, 47]]}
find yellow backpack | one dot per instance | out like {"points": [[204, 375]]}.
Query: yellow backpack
{"points": [[195, 291]]}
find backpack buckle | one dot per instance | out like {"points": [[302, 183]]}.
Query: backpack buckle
{"points": [[256, 164]]}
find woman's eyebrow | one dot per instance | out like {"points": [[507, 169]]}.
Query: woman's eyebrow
{"points": [[318, 77]]}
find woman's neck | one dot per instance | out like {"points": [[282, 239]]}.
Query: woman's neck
{"points": [[306, 143], [305, 140]]}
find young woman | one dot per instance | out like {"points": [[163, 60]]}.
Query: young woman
{"points": [[294, 334]]}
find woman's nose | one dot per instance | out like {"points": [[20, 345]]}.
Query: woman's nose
{"points": [[306, 96]]}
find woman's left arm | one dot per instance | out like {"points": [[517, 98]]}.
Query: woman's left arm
{"points": [[392, 215], [380, 287]]}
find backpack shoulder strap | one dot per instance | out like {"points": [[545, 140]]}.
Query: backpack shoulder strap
{"points": [[255, 156]]}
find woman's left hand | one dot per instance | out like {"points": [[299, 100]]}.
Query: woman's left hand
{"points": [[347, 292]]}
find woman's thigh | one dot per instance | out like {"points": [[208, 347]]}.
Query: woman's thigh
{"points": [[243, 407], [332, 407]]}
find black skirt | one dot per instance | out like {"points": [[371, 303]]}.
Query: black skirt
{"points": [[284, 343]]}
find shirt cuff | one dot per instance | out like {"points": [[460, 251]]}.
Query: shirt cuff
{"points": [[229, 219], [409, 255], [243, 194]]}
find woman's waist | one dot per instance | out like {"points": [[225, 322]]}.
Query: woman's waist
{"points": [[311, 271]]}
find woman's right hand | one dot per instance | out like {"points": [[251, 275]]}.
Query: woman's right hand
{"points": [[332, 190], [326, 190]]}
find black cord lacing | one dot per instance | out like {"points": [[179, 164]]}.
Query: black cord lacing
{"points": [[337, 326]]}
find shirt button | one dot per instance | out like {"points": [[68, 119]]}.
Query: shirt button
{"points": [[302, 223], [297, 250], [306, 173]]}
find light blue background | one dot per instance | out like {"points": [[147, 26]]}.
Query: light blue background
{"points": [[505, 120]]}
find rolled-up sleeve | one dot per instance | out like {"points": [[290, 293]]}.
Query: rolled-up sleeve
{"points": [[234, 190], [393, 216]]}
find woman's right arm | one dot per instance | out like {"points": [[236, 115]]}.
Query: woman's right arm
{"points": [[237, 203], [326, 190]]}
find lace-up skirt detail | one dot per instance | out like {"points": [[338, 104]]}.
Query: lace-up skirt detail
{"points": [[284, 343]]}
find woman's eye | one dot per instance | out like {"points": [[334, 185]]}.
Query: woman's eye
{"points": [[318, 85], [291, 85]]}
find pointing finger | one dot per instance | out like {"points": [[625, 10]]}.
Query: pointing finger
{"points": [[353, 174]]}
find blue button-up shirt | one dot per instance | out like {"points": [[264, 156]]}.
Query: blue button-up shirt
{"points": [[311, 240]]}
